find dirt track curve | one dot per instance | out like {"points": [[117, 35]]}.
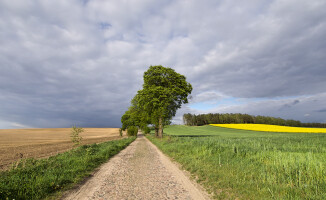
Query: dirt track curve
{"points": [[140, 171]]}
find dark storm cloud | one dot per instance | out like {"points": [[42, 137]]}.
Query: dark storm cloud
{"points": [[322, 110], [289, 105], [80, 62], [55, 70]]}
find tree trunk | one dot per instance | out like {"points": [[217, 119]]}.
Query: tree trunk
{"points": [[156, 131], [160, 128]]}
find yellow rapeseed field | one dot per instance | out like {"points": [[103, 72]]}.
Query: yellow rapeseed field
{"points": [[272, 128]]}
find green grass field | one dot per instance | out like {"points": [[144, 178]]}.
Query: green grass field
{"points": [[43, 178], [248, 164]]}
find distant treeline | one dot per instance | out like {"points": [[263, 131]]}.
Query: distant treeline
{"points": [[238, 118]]}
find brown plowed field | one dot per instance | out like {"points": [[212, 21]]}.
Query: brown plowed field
{"points": [[39, 143]]}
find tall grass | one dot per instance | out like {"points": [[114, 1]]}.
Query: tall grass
{"points": [[37, 179], [251, 165]]}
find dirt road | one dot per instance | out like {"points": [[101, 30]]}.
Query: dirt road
{"points": [[140, 171]]}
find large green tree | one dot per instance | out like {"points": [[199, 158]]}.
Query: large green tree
{"points": [[135, 116], [164, 91]]}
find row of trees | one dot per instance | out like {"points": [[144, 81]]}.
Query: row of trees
{"points": [[238, 118], [164, 91]]}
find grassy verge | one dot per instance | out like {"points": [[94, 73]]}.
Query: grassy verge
{"points": [[37, 179], [248, 164]]}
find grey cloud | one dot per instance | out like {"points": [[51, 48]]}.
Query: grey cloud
{"points": [[295, 102], [322, 110], [282, 57], [207, 97], [289, 105], [68, 62], [56, 73]]}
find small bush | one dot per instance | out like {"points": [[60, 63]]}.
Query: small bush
{"points": [[120, 132], [146, 130], [74, 135], [132, 131]]}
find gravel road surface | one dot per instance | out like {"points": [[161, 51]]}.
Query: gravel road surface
{"points": [[140, 171]]}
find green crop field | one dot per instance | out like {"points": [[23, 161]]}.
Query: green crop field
{"points": [[248, 164]]}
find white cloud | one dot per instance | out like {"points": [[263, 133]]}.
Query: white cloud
{"points": [[12, 125]]}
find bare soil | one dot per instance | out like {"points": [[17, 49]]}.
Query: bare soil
{"points": [[16, 144], [140, 171]]}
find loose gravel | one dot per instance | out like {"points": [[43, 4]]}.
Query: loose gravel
{"points": [[140, 171]]}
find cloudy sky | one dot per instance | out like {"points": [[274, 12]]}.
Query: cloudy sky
{"points": [[81, 61]]}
